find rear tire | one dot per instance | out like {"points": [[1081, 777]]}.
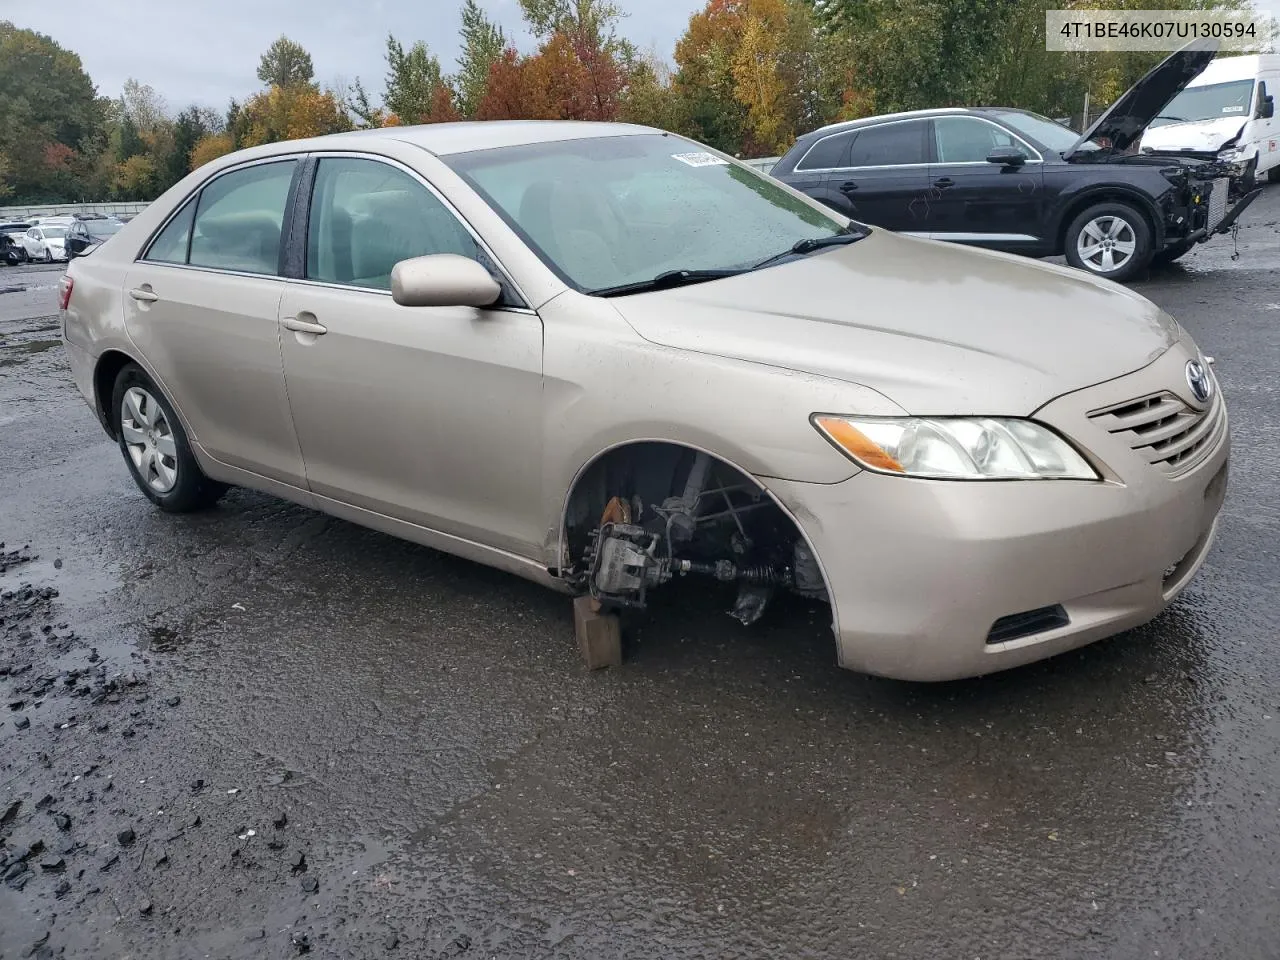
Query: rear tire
{"points": [[1169, 254], [1110, 240], [155, 446]]}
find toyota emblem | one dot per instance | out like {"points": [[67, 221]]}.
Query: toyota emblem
{"points": [[1199, 380]]}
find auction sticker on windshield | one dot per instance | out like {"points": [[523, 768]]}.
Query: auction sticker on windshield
{"points": [[700, 159]]}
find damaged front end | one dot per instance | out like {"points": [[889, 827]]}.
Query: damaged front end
{"points": [[719, 525]]}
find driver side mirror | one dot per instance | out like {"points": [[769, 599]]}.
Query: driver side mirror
{"points": [[443, 280], [76, 246], [1007, 157], [1267, 109]]}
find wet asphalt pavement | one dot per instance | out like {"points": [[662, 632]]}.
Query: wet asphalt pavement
{"points": [[260, 732]]}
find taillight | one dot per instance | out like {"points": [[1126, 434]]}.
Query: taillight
{"points": [[64, 296]]}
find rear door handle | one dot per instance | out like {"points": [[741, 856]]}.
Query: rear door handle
{"points": [[848, 186], [143, 295], [944, 183], [298, 325]]}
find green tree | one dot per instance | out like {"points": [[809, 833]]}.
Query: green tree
{"points": [[64, 112], [412, 80], [191, 126], [482, 44], [286, 64]]}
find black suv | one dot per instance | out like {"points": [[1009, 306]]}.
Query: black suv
{"points": [[1012, 180]]}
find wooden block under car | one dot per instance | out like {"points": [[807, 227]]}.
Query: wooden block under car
{"points": [[599, 634]]}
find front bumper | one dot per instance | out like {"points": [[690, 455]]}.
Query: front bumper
{"points": [[920, 571]]}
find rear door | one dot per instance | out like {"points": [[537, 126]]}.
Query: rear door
{"points": [[203, 306], [885, 179], [974, 201]]}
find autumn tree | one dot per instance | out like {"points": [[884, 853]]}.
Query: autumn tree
{"points": [[651, 97], [506, 94], [443, 109], [286, 64], [288, 113], [211, 147], [591, 29], [412, 80]]}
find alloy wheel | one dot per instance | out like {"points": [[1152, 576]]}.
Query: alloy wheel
{"points": [[149, 439], [1106, 243]]}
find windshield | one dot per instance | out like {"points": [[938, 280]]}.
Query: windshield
{"points": [[102, 228], [1209, 102], [610, 211], [1043, 130], [53, 233]]}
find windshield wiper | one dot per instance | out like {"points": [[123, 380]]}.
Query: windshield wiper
{"points": [[810, 244], [666, 280], [1165, 116]]}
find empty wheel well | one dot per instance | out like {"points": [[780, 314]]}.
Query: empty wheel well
{"points": [[104, 380], [1108, 196], [701, 507]]}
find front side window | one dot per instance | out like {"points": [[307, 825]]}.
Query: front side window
{"points": [[1044, 131], [604, 212], [891, 144], [367, 216], [966, 140], [239, 219]]}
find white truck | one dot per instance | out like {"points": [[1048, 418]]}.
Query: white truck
{"points": [[1227, 113]]}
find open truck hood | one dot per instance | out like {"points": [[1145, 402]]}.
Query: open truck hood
{"points": [[1124, 120]]}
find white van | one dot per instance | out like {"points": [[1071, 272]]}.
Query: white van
{"points": [[1227, 112]]}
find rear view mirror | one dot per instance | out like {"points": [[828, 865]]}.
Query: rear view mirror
{"points": [[1267, 109], [443, 280], [1007, 156]]}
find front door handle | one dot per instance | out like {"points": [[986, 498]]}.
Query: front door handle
{"points": [[298, 325], [944, 182], [848, 186], [144, 295]]}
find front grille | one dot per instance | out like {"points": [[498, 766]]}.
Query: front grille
{"points": [[1165, 430], [1018, 625], [1218, 202]]}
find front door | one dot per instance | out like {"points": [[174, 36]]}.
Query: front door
{"points": [[885, 181], [203, 307], [430, 415], [974, 201]]}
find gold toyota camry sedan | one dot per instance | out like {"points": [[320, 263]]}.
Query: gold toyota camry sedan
{"points": [[603, 357]]}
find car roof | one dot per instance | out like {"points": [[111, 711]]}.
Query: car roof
{"points": [[443, 139]]}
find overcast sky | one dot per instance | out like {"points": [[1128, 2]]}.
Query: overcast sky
{"points": [[206, 51]]}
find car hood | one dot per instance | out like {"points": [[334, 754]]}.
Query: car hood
{"points": [[1198, 135], [1124, 120], [937, 328]]}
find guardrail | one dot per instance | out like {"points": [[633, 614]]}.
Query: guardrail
{"points": [[21, 212], [763, 164]]}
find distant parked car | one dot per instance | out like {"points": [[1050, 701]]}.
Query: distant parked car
{"points": [[1011, 180], [46, 241], [11, 249], [84, 234]]}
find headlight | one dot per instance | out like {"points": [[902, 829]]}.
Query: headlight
{"points": [[956, 448], [1230, 154]]}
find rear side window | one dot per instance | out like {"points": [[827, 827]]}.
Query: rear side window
{"points": [[367, 216], [827, 153], [891, 144], [171, 245], [239, 219]]}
